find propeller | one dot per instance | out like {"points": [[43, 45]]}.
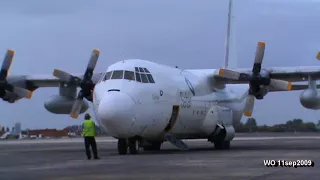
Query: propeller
{"points": [[85, 83], [257, 78], [4, 84]]}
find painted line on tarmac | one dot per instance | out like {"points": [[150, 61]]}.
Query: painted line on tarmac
{"points": [[112, 140]]}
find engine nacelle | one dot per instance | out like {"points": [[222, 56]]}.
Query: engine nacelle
{"points": [[216, 116], [10, 97], [63, 105], [310, 99]]}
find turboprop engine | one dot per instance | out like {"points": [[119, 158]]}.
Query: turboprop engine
{"points": [[218, 124], [63, 105]]}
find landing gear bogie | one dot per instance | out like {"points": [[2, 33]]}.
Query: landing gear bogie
{"points": [[133, 145], [130, 144]]}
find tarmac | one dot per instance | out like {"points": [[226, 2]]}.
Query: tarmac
{"points": [[63, 159]]}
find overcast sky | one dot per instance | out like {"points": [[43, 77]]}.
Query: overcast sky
{"points": [[188, 33]]}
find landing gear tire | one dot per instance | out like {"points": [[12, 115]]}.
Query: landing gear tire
{"points": [[153, 147], [122, 146], [133, 146], [222, 144]]}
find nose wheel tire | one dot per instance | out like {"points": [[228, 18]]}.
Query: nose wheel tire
{"points": [[122, 146]]}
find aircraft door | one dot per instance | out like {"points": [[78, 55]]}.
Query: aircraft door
{"points": [[173, 119]]}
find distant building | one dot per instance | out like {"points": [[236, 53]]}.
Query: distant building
{"points": [[47, 133], [17, 128]]}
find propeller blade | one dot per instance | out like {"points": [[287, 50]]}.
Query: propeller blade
{"points": [[248, 108], [92, 63], [229, 74], [21, 92], [318, 56], [62, 75], [259, 57], [233, 75], [7, 63], [280, 84], [77, 106]]}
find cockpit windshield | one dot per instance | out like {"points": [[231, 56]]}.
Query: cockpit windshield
{"points": [[140, 74]]}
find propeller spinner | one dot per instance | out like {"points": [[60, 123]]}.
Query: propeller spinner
{"points": [[256, 79], [4, 84], [86, 84]]}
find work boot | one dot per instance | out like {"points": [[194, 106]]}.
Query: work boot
{"points": [[97, 157]]}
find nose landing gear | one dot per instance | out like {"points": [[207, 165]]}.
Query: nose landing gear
{"points": [[124, 144]]}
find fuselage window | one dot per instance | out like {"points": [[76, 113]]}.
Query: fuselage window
{"points": [[144, 78], [117, 74], [150, 78], [137, 69], [107, 76], [138, 77], [140, 69], [129, 75], [146, 70]]}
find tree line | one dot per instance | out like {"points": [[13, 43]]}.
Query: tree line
{"points": [[295, 125], [3, 129]]}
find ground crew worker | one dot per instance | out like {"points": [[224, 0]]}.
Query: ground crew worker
{"points": [[89, 133]]}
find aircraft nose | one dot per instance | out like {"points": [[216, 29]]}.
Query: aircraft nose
{"points": [[116, 112]]}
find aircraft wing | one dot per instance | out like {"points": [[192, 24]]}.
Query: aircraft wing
{"points": [[38, 81], [274, 79], [295, 87], [277, 77], [290, 74], [16, 87]]}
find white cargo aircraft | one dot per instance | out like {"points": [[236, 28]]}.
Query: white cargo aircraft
{"points": [[143, 104]]}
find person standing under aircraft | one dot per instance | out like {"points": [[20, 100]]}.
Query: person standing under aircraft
{"points": [[89, 133]]}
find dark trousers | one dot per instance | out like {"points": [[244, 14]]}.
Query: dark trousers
{"points": [[90, 141]]}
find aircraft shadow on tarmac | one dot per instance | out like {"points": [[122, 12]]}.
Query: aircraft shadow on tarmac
{"points": [[250, 147]]}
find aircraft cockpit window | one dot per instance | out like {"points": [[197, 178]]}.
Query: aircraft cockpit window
{"points": [[129, 75], [146, 70], [107, 76], [141, 69], [138, 77], [143, 75], [150, 78], [144, 78], [117, 74]]}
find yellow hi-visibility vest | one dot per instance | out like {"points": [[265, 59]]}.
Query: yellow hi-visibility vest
{"points": [[88, 128]]}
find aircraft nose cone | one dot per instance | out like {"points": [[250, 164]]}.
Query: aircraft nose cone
{"points": [[116, 112]]}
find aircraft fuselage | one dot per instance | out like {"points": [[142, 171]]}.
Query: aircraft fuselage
{"points": [[127, 108]]}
